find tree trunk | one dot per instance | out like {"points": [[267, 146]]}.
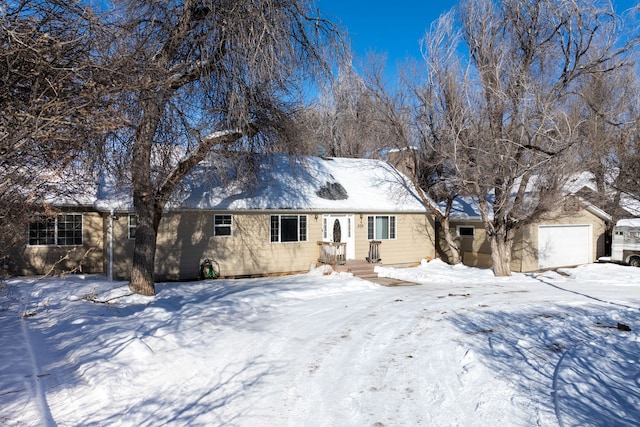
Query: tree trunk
{"points": [[144, 252], [444, 221], [147, 211], [149, 202], [453, 246], [501, 253]]}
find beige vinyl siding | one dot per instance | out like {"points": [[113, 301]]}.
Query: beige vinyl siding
{"points": [[185, 239], [85, 258], [122, 246], [475, 250], [582, 217], [413, 242]]}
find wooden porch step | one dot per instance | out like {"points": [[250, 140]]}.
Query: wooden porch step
{"points": [[361, 269]]}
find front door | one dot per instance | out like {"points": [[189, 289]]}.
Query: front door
{"points": [[339, 228]]}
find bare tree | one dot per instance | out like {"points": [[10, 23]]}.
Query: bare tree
{"points": [[628, 180], [608, 113], [200, 77], [50, 106], [626, 159], [346, 121], [611, 115], [512, 134], [397, 116], [444, 100]]}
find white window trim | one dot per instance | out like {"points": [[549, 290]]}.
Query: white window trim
{"points": [[306, 217], [395, 226], [223, 225], [465, 236], [129, 226]]}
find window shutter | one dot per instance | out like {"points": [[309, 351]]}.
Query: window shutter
{"points": [[303, 228], [392, 227], [275, 228]]}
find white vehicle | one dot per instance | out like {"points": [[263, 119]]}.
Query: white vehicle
{"points": [[625, 246]]}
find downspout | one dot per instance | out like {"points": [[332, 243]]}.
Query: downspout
{"points": [[111, 245]]}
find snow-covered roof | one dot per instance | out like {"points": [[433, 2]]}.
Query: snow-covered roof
{"points": [[284, 182], [630, 204], [587, 181], [466, 208], [579, 181], [308, 183], [463, 208], [629, 222], [60, 187]]}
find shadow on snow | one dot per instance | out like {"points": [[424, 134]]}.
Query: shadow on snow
{"points": [[578, 360], [92, 344]]}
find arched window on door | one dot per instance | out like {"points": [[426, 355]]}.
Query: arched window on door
{"points": [[337, 231]]}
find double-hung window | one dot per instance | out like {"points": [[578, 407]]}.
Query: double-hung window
{"points": [[381, 227], [288, 228], [61, 230], [133, 224], [222, 225]]}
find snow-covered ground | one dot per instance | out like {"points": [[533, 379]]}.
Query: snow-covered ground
{"points": [[462, 348]]}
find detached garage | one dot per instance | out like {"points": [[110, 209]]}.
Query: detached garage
{"points": [[573, 234], [563, 245]]}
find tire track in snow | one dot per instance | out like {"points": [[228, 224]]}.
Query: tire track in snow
{"points": [[554, 388], [37, 390], [365, 363], [372, 352]]}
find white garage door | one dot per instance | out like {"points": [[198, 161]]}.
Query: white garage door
{"points": [[563, 245]]}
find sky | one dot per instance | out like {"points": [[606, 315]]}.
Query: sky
{"points": [[392, 28]]}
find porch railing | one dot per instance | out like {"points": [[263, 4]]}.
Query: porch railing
{"points": [[374, 251], [332, 253]]}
